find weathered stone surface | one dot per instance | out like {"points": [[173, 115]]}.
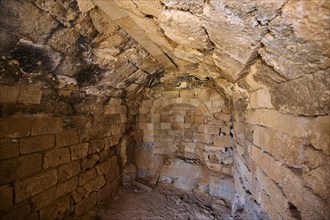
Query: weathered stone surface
{"points": [[55, 157], [65, 41], [64, 12], [36, 143], [14, 127], [21, 167], [86, 176], [320, 129], [31, 186], [177, 25], [298, 126], [58, 209], [52, 194], [14, 14], [46, 125], [108, 168], [66, 139], [184, 175], [89, 161], [7, 197], [195, 6], [289, 30], [8, 148], [68, 170], [261, 99], [281, 146], [231, 68], [29, 95], [314, 101], [86, 204], [20, 211], [79, 151], [8, 94], [85, 6], [101, 23], [41, 59]]}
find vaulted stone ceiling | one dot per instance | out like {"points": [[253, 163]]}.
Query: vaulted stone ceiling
{"points": [[117, 46], [219, 39]]}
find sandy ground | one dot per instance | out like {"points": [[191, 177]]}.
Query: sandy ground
{"points": [[163, 202]]}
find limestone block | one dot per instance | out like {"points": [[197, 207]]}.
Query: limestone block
{"points": [[212, 129], [55, 157], [231, 69], [95, 184], [7, 197], [108, 168], [261, 99], [28, 165], [185, 175], [8, 170], [36, 31], [165, 126], [129, 26], [222, 117], [8, 148], [89, 161], [64, 40], [33, 185], [46, 125], [222, 141], [52, 194], [29, 95], [273, 190], [279, 39], [96, 145], [8, 94], [86, 204], [268, 164], [115, 129], [68, 170], [13, 127], [85, 6], [138, 77], [320, 130], [314, 100], [177, 25], [106, 191], [87, 176], [187, 94], [111, 9], [203, 138], [58, 209], [66, 138], [114, 140], [79, 151], [36, 143], [318, 180], [283, 147], [298, 126], [20, 211], [102, 23], [195, 6]]}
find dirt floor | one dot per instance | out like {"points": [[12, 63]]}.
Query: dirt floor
{"points": [[163, 202]]}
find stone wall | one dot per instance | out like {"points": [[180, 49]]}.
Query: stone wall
{"points": [[53, 165], [186, 139], [65, 74], [281, 133]]}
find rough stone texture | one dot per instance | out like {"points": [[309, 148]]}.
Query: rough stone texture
{"points": [[249, 99], [177, 25], [312, 86], [26, 188]]}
